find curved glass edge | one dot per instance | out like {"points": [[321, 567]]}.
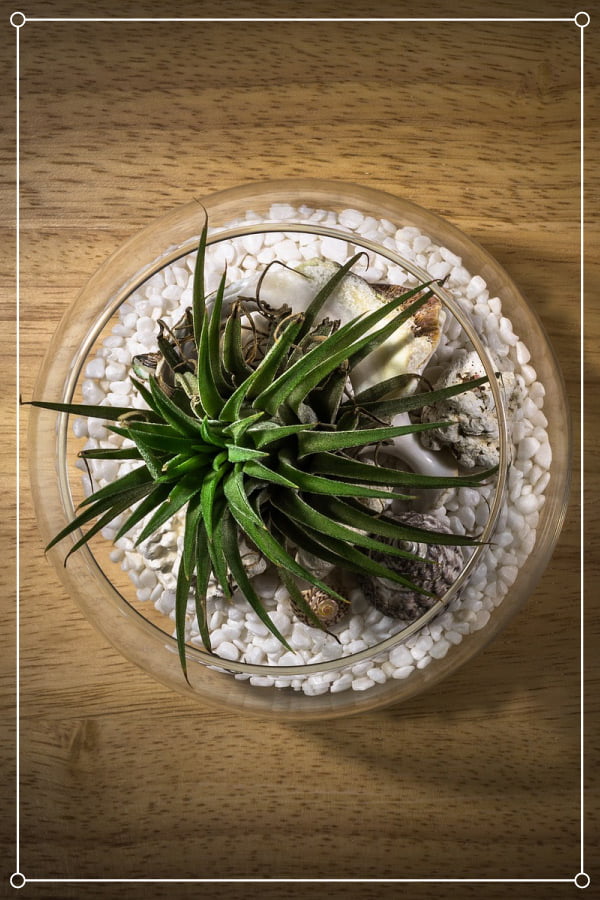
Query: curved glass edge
{"points": [[179, 223]]}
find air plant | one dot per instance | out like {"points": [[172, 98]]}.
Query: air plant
{"points": [[259, 437]]}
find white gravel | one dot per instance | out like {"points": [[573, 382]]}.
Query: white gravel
{"points": [[238, 634]]}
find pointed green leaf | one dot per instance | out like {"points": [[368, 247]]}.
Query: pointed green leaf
{"points": [[182, 593], [154, 499], [353, 470], [233, 353], [335, 350], [118, 506], [207, 497], [116, 453], [257, 531], [179, 496], [203, 569], [264, 371], [110, 413], [198, 301], [355, 515], [173, 414], [137, 476], [258, 470], [236, 565], [307, 516], [318, 441], [316, 305], [269, 432]]}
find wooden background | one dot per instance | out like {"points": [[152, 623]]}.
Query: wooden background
{"points": [[121, 122]]}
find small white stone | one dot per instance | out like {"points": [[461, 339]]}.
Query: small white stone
{"points": [[401, 656], [95, 368], [362, 684], [403, 672], [342, 683], [543, 457], [335, 249], [351, 218], [439, 649], [91, 392], [227, 650], [376, 675]]}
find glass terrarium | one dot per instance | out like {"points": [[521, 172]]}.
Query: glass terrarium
{"points": [[275, 240]]}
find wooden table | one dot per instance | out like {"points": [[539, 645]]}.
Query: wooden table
{"points": [[120, 122]]}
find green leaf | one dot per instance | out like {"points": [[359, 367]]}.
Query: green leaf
{"points": [[154, 499], [91, 512], [342, 554], [389, 408], [316, 305], [237, 454], [257, 531], [275, 356], [182, 465], [179, 496], [318, 441], [300, 601], [214, 336], [116, 453], [233, 353], [307, 516], [315, 484], [210, 398], [198, 300], [215, 549], [110, 413], [236, 565], [264, 371], [182, 593], [136, 477], [396, 385], [173, 414], [356, 516], [237, 429], [269, 432], [258, 470], [351, 469], [192, 517], [118, 505], [207, 497], [333, 351], [203, 569]]}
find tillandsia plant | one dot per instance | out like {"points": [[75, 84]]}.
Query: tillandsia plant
{"points": [[259, 438]]}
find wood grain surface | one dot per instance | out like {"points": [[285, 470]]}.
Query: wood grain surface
{"points": [[121, 122]]}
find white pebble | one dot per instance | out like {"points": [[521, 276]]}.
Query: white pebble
{"points": [[543, 457], [439, 649], [227, 650], [334, 249], [95, 368], [403, 672], [342, 683], [362, 684], [351, 218], [91, 392]]}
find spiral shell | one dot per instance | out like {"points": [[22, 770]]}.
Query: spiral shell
{"points": [[401, 602], [327, 609]]}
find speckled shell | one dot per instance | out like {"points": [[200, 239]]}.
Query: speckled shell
{"points": [[400, 602]]}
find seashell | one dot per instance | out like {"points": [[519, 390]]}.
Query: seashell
{"points": [[401, 602], [472, 438], [327, 609]]}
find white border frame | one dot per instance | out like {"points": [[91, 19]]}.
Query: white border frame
{"points": [[18, 879]]}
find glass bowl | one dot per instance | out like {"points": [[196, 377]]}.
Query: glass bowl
{"points": [[343, 216]]}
